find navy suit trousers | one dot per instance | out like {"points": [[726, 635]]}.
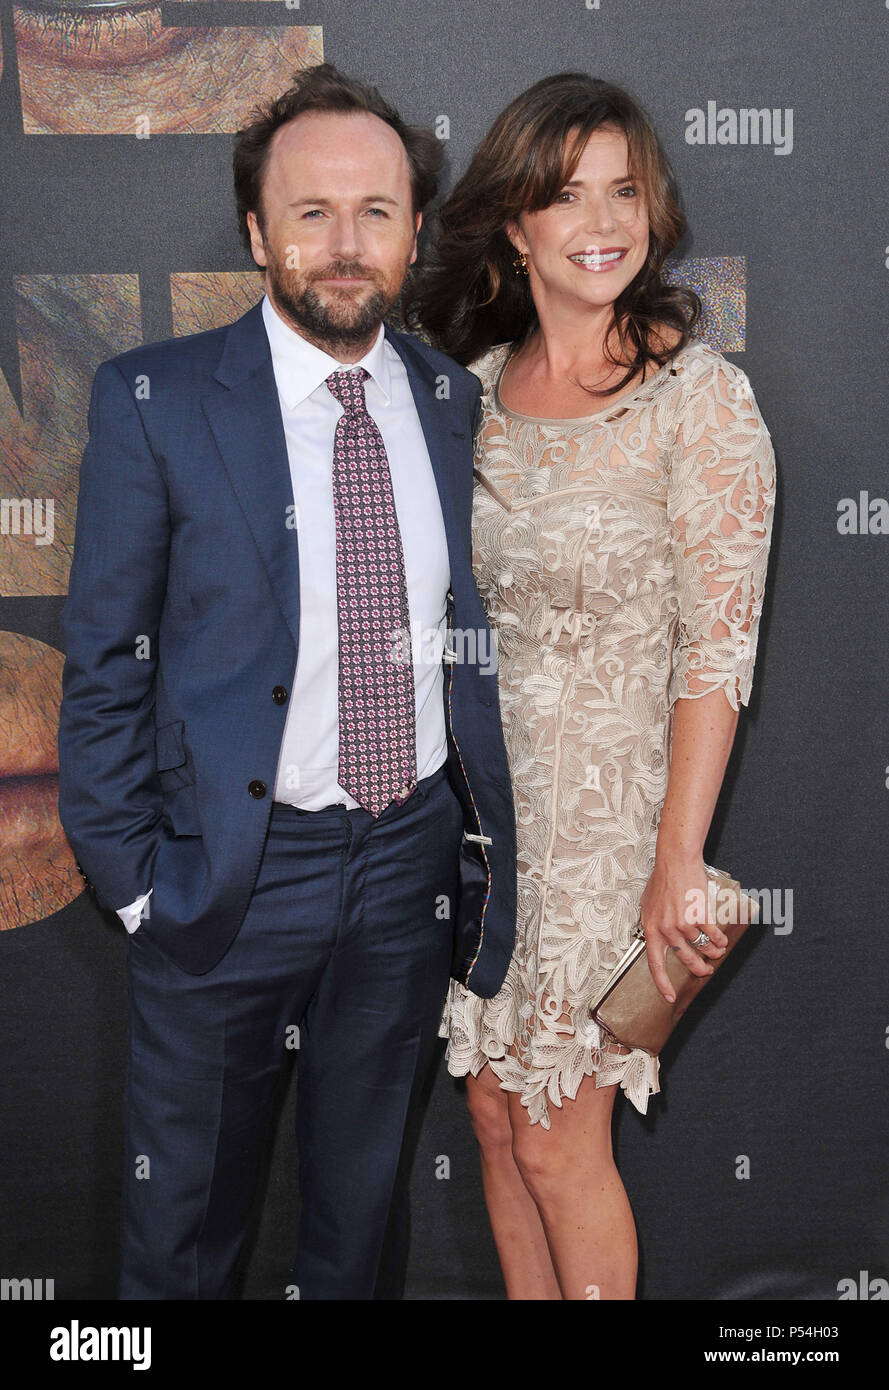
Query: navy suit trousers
{"points": [[347, 939]]}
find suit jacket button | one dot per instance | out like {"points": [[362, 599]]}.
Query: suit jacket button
{"points": [[279, 694], [257, 789]]}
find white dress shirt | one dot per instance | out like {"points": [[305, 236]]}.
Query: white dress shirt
{"points": [[308, 763]]}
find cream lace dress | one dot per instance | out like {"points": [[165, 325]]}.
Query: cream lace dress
{"points": [[621, 559]]}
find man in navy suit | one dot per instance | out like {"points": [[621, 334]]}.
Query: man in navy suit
{"points": [[303, 839]]}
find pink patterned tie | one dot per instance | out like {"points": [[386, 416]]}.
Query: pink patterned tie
{"points": [[377, 713]]}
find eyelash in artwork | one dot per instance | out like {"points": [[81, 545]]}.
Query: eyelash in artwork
{"points": [[84, 22]]}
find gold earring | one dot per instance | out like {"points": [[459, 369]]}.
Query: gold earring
{"points": [[521, 263]]}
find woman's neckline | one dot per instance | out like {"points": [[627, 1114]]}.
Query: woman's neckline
{"points": [[579, 419]]}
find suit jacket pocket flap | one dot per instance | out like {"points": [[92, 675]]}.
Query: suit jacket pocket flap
{"points": [[170, 745]]}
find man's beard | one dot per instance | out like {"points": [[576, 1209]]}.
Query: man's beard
{"points": [[344, 321]]}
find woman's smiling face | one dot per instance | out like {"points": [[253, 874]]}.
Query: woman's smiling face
{"points": [[592, 241]]}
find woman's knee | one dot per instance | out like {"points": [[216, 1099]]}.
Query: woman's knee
{"points": [[542, 1161], [489, 1113], [553, 1162]]}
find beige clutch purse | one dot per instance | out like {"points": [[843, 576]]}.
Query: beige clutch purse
{"points": [[630, 1006]]}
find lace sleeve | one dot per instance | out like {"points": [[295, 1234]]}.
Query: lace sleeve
{"points": [[720, 506]]}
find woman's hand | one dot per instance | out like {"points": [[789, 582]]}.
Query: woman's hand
{"points": [[674, 910]]}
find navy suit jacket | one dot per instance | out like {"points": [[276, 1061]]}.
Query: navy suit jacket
{"points": [[181, 630]]}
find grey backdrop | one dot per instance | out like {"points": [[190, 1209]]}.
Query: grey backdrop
{"points": [[787, 1065]]}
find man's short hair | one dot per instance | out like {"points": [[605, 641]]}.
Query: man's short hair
{"points": [[324, 88]]}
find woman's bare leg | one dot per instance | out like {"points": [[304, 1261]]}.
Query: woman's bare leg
{"points": [[569, 1169], [515, 1221]]}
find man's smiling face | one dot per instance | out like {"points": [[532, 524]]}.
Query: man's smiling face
{"points": [[338, 227]]}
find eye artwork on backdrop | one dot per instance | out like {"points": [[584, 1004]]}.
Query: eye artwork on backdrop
{"points": [[116, 69]]}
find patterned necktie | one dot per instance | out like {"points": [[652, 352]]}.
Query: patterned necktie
{"points": [[377, 713]]}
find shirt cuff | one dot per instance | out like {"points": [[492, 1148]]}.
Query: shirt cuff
{"points": [[131, 916]]}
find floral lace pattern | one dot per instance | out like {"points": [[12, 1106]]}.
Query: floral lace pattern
{"points": [[621, 559]]}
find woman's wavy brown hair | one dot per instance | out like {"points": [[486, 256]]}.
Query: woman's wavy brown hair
{"points": [[470, 297]]}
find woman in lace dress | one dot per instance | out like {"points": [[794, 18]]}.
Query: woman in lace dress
{"points": [[622, 518]]}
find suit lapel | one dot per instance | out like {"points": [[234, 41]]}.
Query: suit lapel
{"points": [[443, 443], [245, 417]]}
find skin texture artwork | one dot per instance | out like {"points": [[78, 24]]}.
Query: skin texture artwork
{"points": [[115, 69]]}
